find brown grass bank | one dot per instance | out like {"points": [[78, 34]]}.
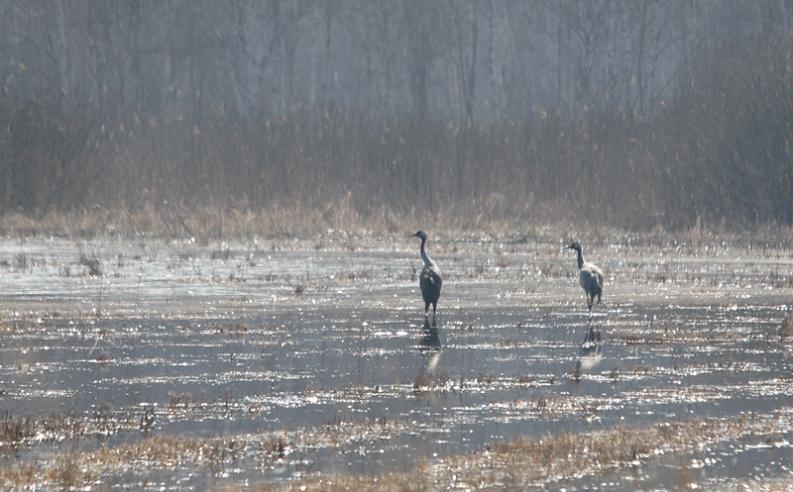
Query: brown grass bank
{"points": [[339, 219]]}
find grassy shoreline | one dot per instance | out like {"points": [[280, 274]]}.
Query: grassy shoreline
{"points": [[340, 220]]}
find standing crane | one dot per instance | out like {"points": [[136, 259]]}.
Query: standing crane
{"points": [[590, 276], [430, 280]]}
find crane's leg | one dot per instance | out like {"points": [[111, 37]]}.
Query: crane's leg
{"points": [[426, 308]]}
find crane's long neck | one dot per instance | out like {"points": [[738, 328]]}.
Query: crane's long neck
{"points": [[580, 258], [424, 256]]}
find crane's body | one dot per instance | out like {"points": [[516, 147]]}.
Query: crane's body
{"points": [[430, 280], [589, 276]]}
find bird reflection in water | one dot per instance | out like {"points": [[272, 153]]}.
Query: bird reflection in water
{"points": [[430, 339], [590, 353], [430, 349]]}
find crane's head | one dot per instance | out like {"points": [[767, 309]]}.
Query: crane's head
{"points": [[576, 246], [421, 234]]}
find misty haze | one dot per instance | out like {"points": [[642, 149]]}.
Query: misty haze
{"points": [[396, 244]]}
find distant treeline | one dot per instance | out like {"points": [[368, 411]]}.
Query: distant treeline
{"points": [[717, 151]]}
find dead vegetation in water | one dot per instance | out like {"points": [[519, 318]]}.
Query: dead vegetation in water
{"points": [[230, 328], [775, 484], [431, 381], [20, 432], [668, 333], [550, 406], [526, 463], [417, 481], [92, 264], [74, 468], [786, 330], [15, 431], [521, 463]]}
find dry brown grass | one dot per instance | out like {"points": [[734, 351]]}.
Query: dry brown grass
{"points": [[159, 452], [342, 219], [525, 462], [415, 481], [516, 464], [15, 431], [786, 330]]}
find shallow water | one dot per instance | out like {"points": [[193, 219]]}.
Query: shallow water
{"points": [[326, 344]]}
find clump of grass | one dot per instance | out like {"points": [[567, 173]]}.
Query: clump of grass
{"points": [[147, 419], [104, 420], [786, 330], [363, 273], [68, 473], [527, 462], [486, 378], [158, 452], [530, 463], [15, 431], [428, 380], [91, 261], [231, 329], [186, 255], [179, 400], [275, 446], [300, 289], [222, 253], [549, 269], [576, 374], [21, 261], [418, 480], [58, 426]]}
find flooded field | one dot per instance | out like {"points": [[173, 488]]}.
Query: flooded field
{"points": [[147, 364]]}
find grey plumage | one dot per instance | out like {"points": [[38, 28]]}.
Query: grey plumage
{"points": [[590, 276], [430, 280]]}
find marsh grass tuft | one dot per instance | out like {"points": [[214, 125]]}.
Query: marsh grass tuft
{"points": [[222, 253], [15, 431], [21, 262], [92, 263], [514, 464], [786, 330]]}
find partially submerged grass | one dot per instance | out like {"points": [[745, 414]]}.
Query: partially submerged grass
{"points": [[20, 432], [516, 464], [526, 462], [15, 431], [72, 468], [419, 480], [92, 263], [676, 335], [786, 330]]}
